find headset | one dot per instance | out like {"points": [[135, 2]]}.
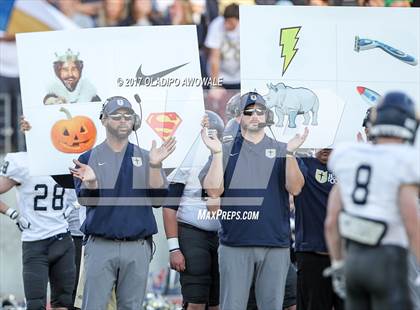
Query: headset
{"points": [[137, 117]]}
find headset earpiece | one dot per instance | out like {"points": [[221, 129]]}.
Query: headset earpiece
{"points": [[137, 122], [101, 115]]}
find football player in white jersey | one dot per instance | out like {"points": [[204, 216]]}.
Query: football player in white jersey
{"points": [[47, 247], [374, 208]]}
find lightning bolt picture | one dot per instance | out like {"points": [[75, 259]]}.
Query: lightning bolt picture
{"points": [[288, 41]]}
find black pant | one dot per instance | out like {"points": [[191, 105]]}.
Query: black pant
{"points": [[377, 278], [314, 291], [50, 259], [200, 280]]}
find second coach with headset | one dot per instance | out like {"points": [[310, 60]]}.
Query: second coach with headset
{"points": [[119, 183], [251, 175]]}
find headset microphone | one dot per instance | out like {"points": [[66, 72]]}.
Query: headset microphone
{"points": [[138, 118]]}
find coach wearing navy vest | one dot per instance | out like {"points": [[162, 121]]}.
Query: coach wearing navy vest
{"points": [[314, 291], [251, 176], [119, 183]]}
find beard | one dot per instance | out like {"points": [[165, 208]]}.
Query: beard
{"points": [[121, 132], [70, 83], [252, 127]]}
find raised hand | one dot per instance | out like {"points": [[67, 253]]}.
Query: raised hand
{"points": [[83, 172], [157, 155], [297, 141], [360, 138], [209, 136], [24, 124]]}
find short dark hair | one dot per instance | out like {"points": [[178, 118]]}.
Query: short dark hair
{"points": [[231, 11]]}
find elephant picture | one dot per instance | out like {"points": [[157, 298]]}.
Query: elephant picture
{"points": [[290, 101]]}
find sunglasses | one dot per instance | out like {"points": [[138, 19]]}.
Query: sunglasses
{"points": [[258, 111], [118, 117]]}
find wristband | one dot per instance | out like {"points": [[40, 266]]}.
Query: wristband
{"points": [[290, 153], [12, 213], [173, 244], [155, 166], [214, 153]]}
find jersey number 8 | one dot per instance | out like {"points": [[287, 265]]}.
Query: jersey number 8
{"points": [[361, 189]]}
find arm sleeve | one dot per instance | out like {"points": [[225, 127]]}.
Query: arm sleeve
{"points": [[14, 168], [174, 196], [410, 168]]}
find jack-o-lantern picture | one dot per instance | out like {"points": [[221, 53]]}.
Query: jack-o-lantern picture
{"points": [[74, 134]]}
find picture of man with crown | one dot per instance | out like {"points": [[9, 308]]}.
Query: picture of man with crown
{"points": [[71, 88]]}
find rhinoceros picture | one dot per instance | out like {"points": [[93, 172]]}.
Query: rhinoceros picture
{"points": [[290, 101]]}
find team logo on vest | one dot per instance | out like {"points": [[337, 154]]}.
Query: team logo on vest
{"points": [[164, 124], [321, 176], [324, 176], [136, 161], [270, 153]]}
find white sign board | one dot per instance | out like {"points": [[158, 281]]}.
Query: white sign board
{"points": [[324, 67], [65, 74]]}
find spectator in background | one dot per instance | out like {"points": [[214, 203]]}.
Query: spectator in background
{"points": [[112, 14], [162, 6], [223, 42], [319, 2], [181, 13], [9, 84], [141, 13], [70, 9], [382, 3], [199, 18], [224, 3]]}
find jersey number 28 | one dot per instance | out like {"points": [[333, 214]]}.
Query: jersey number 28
{"points": [[361, 189], [58, 196]]}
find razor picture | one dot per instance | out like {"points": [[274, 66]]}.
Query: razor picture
{"points": [[367, 44]]}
